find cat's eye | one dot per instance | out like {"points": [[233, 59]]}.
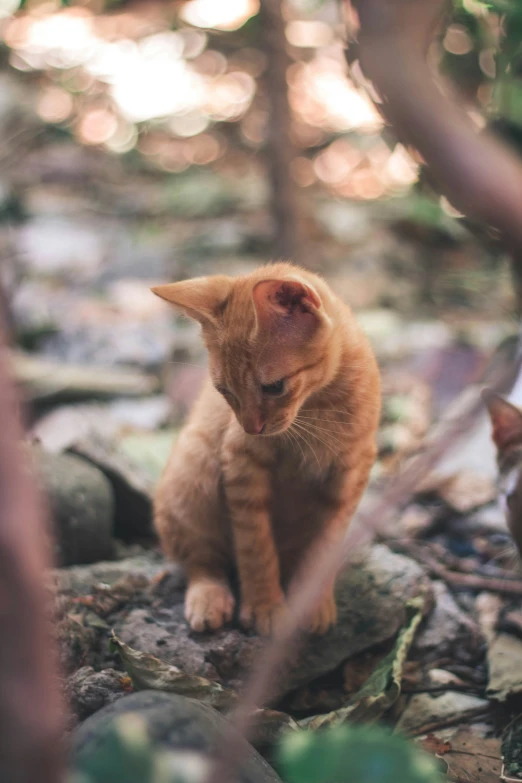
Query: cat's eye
{"points": [[273, 389]]}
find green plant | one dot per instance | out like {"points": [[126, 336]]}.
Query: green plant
{"points": [[354, 754]]}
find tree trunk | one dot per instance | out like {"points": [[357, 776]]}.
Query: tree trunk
{"points": [[280, 152]]}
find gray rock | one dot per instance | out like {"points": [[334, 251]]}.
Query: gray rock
{"points": [[446, 626], [370, 595], [80, 579], [87, 691], [449, 708], [174, 723], [82, 507], [132, 486]]}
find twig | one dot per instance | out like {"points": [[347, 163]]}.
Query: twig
{"points": [[448, 721], [507, 586]]}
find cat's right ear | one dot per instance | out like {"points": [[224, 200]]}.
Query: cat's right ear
{"points": [[201, 298], [505, 418], [289, 308]]}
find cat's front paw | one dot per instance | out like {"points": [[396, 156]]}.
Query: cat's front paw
{"points": [[263, 616], [208, 605], [323, 617]]}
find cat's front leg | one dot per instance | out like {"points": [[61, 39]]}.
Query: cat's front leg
{"points": [[342, 500], [248, 493]]}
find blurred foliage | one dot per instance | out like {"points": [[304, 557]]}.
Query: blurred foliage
{"points": [[125, 753], [483, 54], [347, 754], [355, 754]]}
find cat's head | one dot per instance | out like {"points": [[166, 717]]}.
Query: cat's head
{"points": [[268, 336], [506, 420]]}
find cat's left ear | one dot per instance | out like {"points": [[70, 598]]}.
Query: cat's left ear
{"points": [[505, 418], [201, 298], [289, 307]]}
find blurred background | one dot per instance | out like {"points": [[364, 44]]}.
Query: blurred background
{"points": [[150, 141]]}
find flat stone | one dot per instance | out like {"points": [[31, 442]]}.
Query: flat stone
{"points": [[174, 723], [132, 486], [80, 579], [371, 597], [424, 709], [81, 504]]}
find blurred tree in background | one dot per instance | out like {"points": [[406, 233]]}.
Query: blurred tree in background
{"points": [[241, 106]]}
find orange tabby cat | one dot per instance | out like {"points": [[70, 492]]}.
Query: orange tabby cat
{"points": [[278, 448]]}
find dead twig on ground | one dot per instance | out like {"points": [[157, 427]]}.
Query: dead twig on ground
{"points": [[457, 579]]}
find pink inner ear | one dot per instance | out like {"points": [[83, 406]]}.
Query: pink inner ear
{"points": [[285, 297], [506, 420]]}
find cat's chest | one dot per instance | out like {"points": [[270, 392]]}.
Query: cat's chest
{"points": [[303, 463]]}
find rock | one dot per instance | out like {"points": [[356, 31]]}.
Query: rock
{"points": [[446, 626], [425, 712], [82, 507], [505, 675], [47, 379], [80, 579], [88, 691], [371, 596], [58, 430], [132, 485], [174, 723]]}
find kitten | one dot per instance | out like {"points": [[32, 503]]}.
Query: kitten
{"points": [[277, 451], [506, 420]]}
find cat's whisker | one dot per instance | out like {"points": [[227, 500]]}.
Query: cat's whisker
{"points": [[314, 427], [305, 440], [327, 411], [314, 435], [314, 419], [294, 439]]}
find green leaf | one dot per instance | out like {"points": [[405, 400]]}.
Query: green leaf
{"points": [[382, 688], [354, 754]]}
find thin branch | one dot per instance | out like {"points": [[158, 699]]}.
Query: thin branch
{"points": [[305, 593]]}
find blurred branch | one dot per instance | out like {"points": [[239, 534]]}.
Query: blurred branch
{"points": [[30, 714], [479, 175], [305, 592], [280, 151]]}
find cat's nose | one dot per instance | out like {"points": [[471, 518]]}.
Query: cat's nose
{"points": [[254, 425]]}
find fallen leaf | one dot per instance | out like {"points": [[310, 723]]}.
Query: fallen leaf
{"points": [[432, 744], [383, 687], [148, 672], [473, 759]]}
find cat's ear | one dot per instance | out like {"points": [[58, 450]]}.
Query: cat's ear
{"points": [[290, 306], [201, 298], [505, 418]]}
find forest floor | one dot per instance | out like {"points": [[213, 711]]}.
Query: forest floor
{"points": [[109, 374]]}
